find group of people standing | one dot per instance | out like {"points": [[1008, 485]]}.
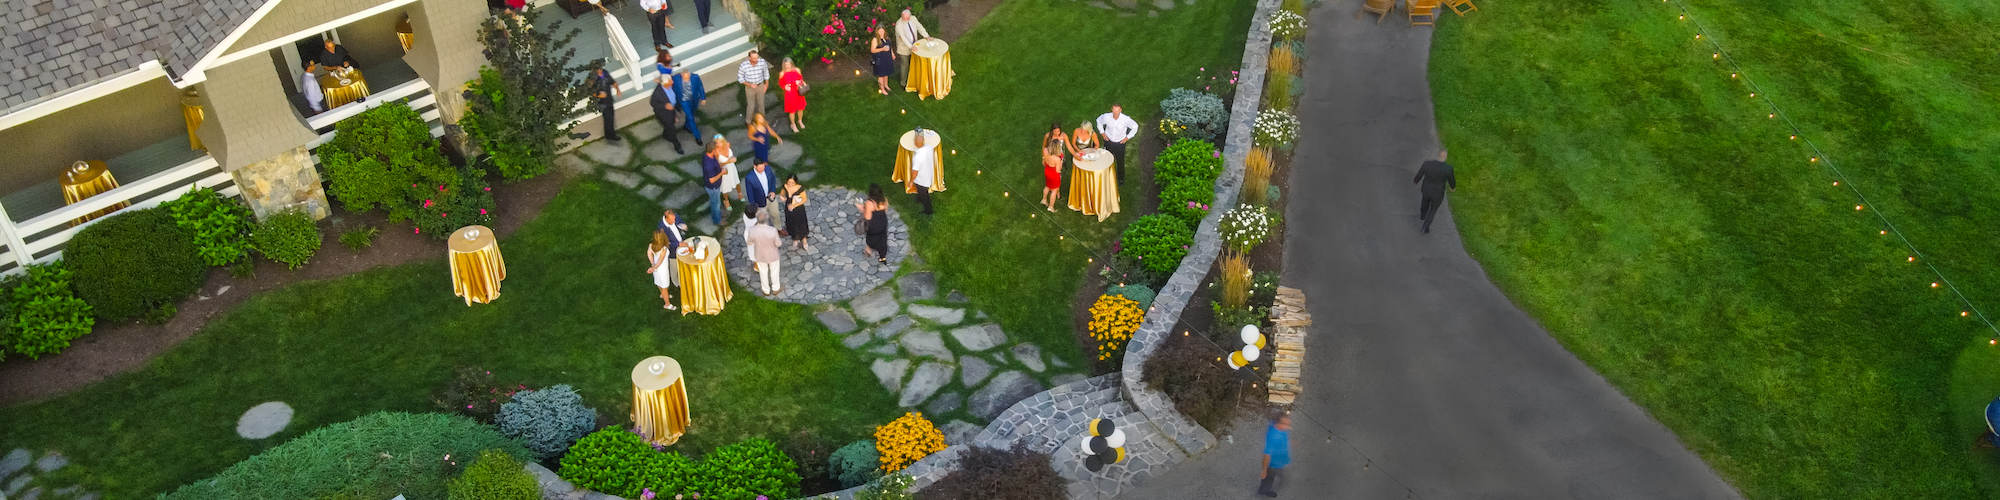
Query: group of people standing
{"points": [[1112, 130], [766, 201], [893, 58]]}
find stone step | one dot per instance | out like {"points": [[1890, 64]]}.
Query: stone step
{"points": [[1042, 422], [1148, 454]]}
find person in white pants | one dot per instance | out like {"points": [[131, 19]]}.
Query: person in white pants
{"points": [[764, 244]]}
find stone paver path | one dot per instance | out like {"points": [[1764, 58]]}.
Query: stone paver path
{"points": [[18, 469], [833, 268]]}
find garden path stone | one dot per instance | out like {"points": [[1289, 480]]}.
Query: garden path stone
{"points": [[1097, 4], [955, 297], [571, 163], [834, 269], [50, 462], [940, 315], [646, 130], [651, 192], [973, 370], [925, 343], [875, 306], [622, 178], [1029, 355], [917, 286], [884, 350], [1058, 362], [806, 176], [894, 326], [692, 167], [1153, 13], [1066, 378], [787, 154], [946, 403], [14, 462], [979, 337], [663, 174], [836, 319], [15, 486], [855, 341], [34, 493], [702, 225], [725, 102], [615, 154], [929, 378], [959, 432], [663, 151], [890, 373], [262, 420], [1006, 389], [682, 196]]}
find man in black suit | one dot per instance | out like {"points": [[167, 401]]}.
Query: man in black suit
{"points": [[335, 56], [1435, 177], [664, 111]]}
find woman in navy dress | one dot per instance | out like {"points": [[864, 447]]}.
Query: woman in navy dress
{"points": [[885, 59]]}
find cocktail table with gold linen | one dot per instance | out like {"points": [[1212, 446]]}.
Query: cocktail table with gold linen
{"points": [[342, 88], [86, 179], [704, 280], [908, 147], [659, 400], [476, 266], [1093, 186], [930, 69]]}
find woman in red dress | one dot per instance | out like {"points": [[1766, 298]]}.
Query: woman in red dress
{"points": [[1053, 146], [795, 101]]}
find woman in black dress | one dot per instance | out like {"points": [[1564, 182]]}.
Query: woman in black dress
{"points": [[794, 198], [885, 59], [875, 210]]}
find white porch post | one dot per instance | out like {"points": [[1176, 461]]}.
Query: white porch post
{"points": [[14, 241]]}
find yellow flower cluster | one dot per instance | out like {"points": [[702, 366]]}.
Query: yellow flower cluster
{"points": [[906, 440], [1112, 320]]}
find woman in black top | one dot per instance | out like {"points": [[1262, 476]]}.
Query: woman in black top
{"points": [[794, 198], [875, 210]]}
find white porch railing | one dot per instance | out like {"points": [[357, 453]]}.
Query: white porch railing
{"points": [[41, 239]]}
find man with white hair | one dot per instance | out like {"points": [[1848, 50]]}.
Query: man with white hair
{"points": [[908, 32]]}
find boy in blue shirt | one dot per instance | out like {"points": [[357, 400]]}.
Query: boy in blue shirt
{"points": [[1277, 454]]}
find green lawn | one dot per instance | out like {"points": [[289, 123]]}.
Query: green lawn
{"points": [[1628, 192], [1030, 62], [576, 309]]}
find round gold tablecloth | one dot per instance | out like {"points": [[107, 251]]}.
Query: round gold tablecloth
{"points": [[930, 69], [191, 112], [659, 400], [476, 266], [1093, 186], [909, 146], [704, 282], [87, 179], [338, 94]]}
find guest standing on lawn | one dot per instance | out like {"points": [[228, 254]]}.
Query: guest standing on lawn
{"points": [[764, 254], [1117, 127], [1277, 455], [605, 89], [661, 256], [1083, 139], [760, 189], [1054, 144], [1434, 177], [884, 55], [755, 75], [711, 180], [761, 135], [923, 170], [796, 225], [908, 31], [795, 86], [664, 112], [692, 95], [875, 210], [732, 181]]}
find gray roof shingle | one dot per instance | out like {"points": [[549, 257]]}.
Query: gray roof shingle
{"points": [[52, 45]]}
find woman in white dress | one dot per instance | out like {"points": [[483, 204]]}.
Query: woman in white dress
{"points": [[732, 184], [661, 255]]}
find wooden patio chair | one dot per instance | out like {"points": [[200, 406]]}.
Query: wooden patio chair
{"points": [[1455, 4], [1379, 7], [1427, 9]]}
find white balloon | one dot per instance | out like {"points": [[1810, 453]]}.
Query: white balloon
{"points": [[1250, 334], [1085, 446], [1250, 353], [1116, 439]]}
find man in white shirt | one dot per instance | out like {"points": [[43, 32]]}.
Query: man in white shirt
{"points": [[656, 18], [923, 163], [309, 88], [908, 32], [755, 75], [1117, 127]]}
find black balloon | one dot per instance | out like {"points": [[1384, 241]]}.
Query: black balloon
{"points": [[1093, 463], [1099, 447], [1102, 427]]}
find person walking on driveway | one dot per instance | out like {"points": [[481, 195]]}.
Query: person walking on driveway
{"points": [[1277, 455], [1435, 177]]}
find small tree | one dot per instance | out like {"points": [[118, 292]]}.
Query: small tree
{"points": [[526, 101]]}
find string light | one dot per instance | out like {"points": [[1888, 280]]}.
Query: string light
{"points": [[1962, 314], [1912, 259], [1934, 284], [1885, 232], [1857, 207], [1795, 138], [1836, 183]]}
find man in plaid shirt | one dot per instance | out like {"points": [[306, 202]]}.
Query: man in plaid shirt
{"points": [[755, 75]]}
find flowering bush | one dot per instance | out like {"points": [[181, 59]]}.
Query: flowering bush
{"points": [[906, 440], [1202, 114], [816, 30], [1171, 130], [1188, 199], [1246, 226], [446, 208], [474, 392], [1187, 159], [1275, 127], [1287, 25], [1112, 321], [1217, 81], [1159, 241]]}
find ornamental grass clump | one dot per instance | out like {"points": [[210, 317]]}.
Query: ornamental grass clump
{"points": [[1112, 320], [1257, 168], [906, 440], [1276, 128], [1234, 274], [1283, 62], [546, 420], [1245, 226]]}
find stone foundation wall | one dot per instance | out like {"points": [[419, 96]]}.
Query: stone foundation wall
{"points": [[284, 181]]}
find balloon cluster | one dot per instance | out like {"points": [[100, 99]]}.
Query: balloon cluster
{"points": [[1106, 445], [1253, 345]]}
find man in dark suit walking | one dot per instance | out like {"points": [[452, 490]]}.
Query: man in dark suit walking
{"points": [[1434, 177]]}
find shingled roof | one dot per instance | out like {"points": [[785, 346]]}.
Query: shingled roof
{"points": [[47, 46]]}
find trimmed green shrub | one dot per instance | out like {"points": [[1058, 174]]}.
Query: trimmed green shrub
{"points": [[1187, 159], [132, 262], [447, 208], [39, 313], [619, 462], [1159, 241], [996, 474], [1134, 292], [220, 225], [409, 454], [288, 237], [546, 420], [495, 476], [1202, 113], [855, 464], [1188, 199], [359, 238], [385, 158]]}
